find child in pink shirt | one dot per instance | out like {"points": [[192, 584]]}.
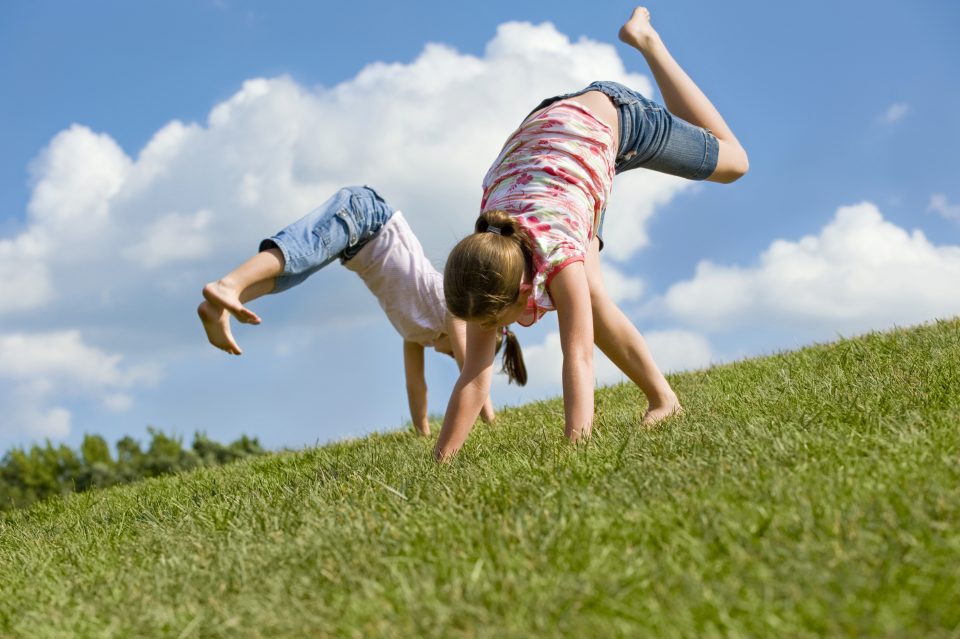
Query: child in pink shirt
{"points": [[373, 240]]}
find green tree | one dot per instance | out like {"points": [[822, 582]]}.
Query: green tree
{"points": [[166, 455], [44, 471], [99, 470], [129, 460]]}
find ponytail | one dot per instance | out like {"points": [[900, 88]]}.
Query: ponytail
{"points": [[513, 364], [482, 275], [499, 223]]}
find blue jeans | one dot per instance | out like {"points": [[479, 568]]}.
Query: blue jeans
{"points": [[653, 138], [338, 228]]}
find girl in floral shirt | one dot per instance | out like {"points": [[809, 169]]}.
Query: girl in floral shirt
{"points": [[535, 247]]}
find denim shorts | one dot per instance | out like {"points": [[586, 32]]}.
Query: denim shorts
{"points": [[653, 138], [338, 228]]}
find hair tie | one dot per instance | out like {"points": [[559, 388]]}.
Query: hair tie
{"points": [[494, 229], [504, 330]]}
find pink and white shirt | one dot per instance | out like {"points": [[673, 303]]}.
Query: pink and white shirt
{"points": [[553, 177]]}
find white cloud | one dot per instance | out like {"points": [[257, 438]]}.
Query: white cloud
{"points": [[636, 196], [173, 237], [117, 402], [544, 364], [942, 207], [25, 281], [42, 366], [122, 241], [894, 113], [63, 355], [619, 286], [267, 155], [677, 350], [53, 423], [76, 177], [861, 272], [673, 350]]}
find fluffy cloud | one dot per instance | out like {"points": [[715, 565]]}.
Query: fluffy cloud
{"points": [[673, 350], [861, 272], [620, 287], [678, 350], [41, 366], [120, 244], [636, 196], [25, 281], [544, 364], [76, 177], [206, 194], [173, 237], [50, 423]]}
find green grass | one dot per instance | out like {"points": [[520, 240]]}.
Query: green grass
{"points": [[814, 493]]}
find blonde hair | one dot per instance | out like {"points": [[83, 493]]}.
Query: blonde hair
{"points": [[482, 275], [482, 278]]}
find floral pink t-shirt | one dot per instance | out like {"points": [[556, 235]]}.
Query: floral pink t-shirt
{"points": [[553, 177]]}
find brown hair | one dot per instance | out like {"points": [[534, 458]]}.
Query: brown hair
{"points": [[513, 364], [482, 275]]}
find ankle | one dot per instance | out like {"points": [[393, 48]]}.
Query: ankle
{"points": [[650, 45], [662, 398], [226, 282]]}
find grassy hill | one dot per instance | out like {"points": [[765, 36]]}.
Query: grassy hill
{"points": [[808, 493]]}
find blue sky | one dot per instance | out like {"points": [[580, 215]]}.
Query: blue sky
{"points": [[848, 221]]}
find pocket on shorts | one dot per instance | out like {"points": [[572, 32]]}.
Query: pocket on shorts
{"points": [[364, 207], [354, 212], [353, 226]]}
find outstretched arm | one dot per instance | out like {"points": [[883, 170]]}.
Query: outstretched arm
{"points": [[457, 330], [469, 393], [683, 97], [571, 295], [416, 386]]}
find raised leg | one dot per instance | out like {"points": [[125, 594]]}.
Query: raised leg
{"points": [[620, 340], [683, 97], [225, 297]]}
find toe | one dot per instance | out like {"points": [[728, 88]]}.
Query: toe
{"points": [[246, 316]]}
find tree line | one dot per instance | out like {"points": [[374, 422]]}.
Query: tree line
{"points": [[28, 476]]}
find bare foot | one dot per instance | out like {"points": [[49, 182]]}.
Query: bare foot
{"points": [[222, 295], [658, 411], [638, 32], [216, 322]]}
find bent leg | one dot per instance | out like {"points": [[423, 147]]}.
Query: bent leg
{"points": [[683, 97], [255, 277], [315, 240], [284, 260], [340, 225], [620, 341], [226, 297]]}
